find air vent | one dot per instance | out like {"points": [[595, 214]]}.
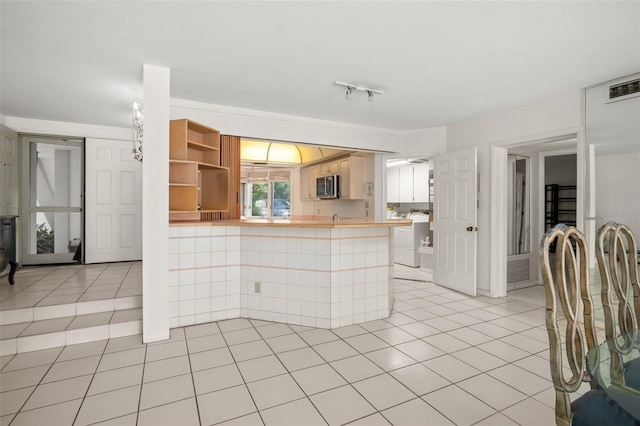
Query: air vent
{"points": [[621, 91]]}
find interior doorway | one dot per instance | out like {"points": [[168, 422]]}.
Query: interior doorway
{"points": [[51, 199], [511, 270]]}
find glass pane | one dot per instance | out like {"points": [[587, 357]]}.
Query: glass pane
{"points": [[259, 192], [56, 175], [281, 199], [54, 233], [243, 204]]}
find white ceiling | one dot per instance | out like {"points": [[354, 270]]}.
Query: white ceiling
{"points": [[437, 62]]}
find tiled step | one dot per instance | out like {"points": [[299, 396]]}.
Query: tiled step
{"points": [[31, 329]]}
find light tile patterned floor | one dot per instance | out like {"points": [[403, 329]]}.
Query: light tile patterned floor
{"points": [[442, 358], [63, 284]]}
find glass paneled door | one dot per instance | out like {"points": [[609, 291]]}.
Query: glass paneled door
{"points": [[51, 219]]}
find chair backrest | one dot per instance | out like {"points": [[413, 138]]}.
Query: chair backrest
{"points": [[566, 285], [617, 256]]}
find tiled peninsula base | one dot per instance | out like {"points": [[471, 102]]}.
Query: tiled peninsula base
{"points": [[318, 277]]}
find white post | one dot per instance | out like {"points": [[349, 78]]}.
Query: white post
{"points": [[155, 204]]}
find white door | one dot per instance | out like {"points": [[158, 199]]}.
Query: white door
{"points": [[455, 222], [113, 202], [51, 204], [8, 171]]}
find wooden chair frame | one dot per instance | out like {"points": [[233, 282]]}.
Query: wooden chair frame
{"points": [[618, 271], [568, 282]]}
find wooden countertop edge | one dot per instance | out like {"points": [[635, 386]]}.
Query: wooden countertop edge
{"points": [[299, 223]]}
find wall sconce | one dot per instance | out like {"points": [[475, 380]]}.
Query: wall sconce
{"points": [[136, 127], [351, 87]]}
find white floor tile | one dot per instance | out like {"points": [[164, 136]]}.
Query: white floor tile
{"points": [[415, 412], [217, 378], [300, 358], [109, 405], [285, 343], [274, 391], [226, 404], [492, 391], [18, 379], [318, 379], [383, 391], [73, 368], [121, 359], [166, 390], [210, 359], [32, 359], [520, 379], [420, 379], [364, 343], [261, 368], [341, 405], [184, 413], [530, 413], [63, 413], [449, 401], [120, 378], [390, 359], [57, 392], [12, 400], [451, 368], [166, 368], [295, 413], [332, 351]]}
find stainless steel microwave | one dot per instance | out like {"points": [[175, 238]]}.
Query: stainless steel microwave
{"points": [[327, 186]]}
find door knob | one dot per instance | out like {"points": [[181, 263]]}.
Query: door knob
{"points": [[471, 228]]}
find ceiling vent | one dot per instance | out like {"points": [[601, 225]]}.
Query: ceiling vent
{"points": [[624, 90]]}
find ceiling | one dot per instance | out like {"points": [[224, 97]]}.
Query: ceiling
{"points": [[436, 62]]}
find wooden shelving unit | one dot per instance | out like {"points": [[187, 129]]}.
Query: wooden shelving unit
{"points": [[197, 182]]}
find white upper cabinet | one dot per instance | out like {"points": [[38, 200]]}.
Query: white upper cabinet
{"points": [[408, 184], [393, 185], [421, 183]]}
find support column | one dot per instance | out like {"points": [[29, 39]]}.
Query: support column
{"points": [[155, 204]]}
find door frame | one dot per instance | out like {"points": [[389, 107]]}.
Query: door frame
{"points": [[25, 193], [499, 202]]}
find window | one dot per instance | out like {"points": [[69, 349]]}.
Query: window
{"points": [[266, 194]]}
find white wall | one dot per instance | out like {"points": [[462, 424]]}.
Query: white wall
{"points": [[617, 190], [531, 121], [60, 128], [426, 142], [266, 125]]}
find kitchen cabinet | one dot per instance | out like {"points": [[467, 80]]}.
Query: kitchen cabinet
{"points": [[421, 183], [308, 176], [351, 180], [197, 182], [393, 185], [331, 168], [408, 184]]}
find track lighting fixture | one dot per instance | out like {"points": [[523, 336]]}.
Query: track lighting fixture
{"points": [[351, 87]]}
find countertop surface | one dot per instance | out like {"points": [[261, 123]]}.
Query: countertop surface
{"points": [[302, 222]]}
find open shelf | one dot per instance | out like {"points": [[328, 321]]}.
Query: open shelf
{"points": [[197, 182]]}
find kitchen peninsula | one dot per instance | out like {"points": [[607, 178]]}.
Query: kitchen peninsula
{"points": [[311, 271]]}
